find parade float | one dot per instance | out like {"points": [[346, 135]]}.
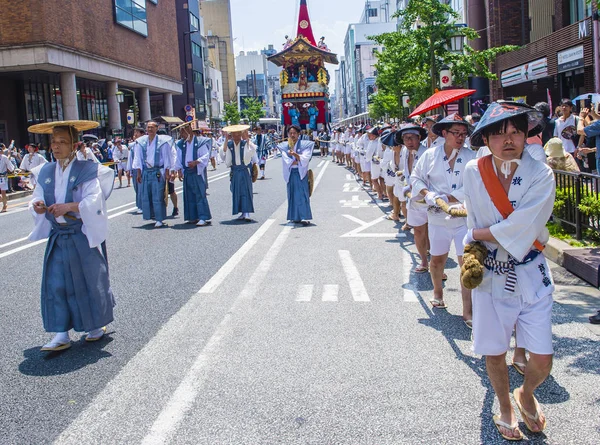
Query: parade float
{"points": [[304, 78]]}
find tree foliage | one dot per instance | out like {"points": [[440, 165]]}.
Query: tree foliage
{"points": [[253, 110], [231, 114], [383, 104], [413, 56]]}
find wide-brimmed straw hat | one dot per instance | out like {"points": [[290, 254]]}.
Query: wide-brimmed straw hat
{"points": [[236, 128], [448, 121], [47, 127], [504, 110], [554, 148], [185, 124]]}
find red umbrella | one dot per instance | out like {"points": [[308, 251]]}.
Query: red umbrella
{"points": [[441, 98]]}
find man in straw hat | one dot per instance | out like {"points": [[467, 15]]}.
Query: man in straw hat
{"points": [[138, 132], [193, 155], [439, 174], [412, 137], [69, 208], [153, 157], [296, 155], [263, 146], [509, 198], [239, 151]]}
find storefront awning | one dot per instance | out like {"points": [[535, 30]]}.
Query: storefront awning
{"points": [[171, 120]]}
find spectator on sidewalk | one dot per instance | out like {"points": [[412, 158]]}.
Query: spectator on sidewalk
{"points": [[558, 158], [590, 128], [548, 131]]}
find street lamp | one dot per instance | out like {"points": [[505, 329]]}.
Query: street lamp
{"points": [[121, 98]]}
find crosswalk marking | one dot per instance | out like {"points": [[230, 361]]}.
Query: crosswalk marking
{"points": [[330, 292], [357, 287], [305, 292]]}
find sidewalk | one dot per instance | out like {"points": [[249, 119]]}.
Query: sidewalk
{"points": [[17, 195]]}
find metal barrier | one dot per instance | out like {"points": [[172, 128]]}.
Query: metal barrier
{"points": [[575, 191]]}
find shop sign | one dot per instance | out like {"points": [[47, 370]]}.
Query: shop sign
{"points": [[570, 59], [525, 73]]}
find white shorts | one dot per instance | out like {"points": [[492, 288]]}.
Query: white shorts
{"points": [[495, 318], [122, 166], [398, 187], [348, 149], [390, 181], [416, 217], [441, 237], [375, 170], [3, 183]]}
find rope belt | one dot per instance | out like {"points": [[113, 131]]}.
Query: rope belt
{"points": [[507, 267]]}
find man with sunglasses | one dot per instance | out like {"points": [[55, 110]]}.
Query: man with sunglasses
{"points": [[439, 174]]}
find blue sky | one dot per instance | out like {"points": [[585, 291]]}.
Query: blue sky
{"points": [[257, 23]]}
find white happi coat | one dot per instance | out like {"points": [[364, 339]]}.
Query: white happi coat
{"points": [[32, 160], [120, 157], [433, 172], [407, 174], [386, 157], [374, 151], [5, 167], [348, 139], [532, 194], [87, 156]]}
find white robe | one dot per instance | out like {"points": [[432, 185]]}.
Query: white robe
{"points": [[249, 154], [433, 172], [204, 155], [387, 158], [30, 161], [120, 157], [91, 196], [532, 194], [302, 165], [87, 156], [167, 153]]}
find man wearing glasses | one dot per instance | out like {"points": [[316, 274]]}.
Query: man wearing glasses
{"points": [[439, 174]]}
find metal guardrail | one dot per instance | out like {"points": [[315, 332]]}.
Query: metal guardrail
{"points": [[573, 189]]}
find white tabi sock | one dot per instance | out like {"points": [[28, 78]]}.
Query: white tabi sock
{"points": [[59, 339], [96, 333]]}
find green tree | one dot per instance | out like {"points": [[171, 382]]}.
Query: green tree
{"points": [[383, 104], [413, 56], [231, 114], [253, 110]]}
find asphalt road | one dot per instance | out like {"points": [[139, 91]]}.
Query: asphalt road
{"points": [[267, 333]]}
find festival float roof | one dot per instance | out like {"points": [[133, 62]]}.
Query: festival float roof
{"points": [[304, 46]]}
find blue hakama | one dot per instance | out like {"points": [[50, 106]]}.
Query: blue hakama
{"points": [[195, 204], [298, 197], [241, 190], [152, 190]]}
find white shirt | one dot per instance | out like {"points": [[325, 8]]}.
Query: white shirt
{"points": [[5, 164], [32, 160], [566, 128], [87, 156]]}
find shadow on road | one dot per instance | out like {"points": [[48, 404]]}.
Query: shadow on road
{"points": [[78, 356]]}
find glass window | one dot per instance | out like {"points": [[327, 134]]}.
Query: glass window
{"points": [[196, 50], [579, 10], [198, 78], [372, 12], [132, 14], [194, 23]]}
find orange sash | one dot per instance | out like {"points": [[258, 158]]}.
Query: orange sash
{"points": [[497, 194]]}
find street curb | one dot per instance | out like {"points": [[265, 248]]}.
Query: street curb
{"points": [[554, 250], [17, 195]]}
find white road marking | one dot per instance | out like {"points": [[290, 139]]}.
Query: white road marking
{"points": [[355, 219], [357, 233], [330, 292], [320, 164], [183, 398], [13, 242], [357, 287], [321, 173], [305, 292], [410, 295], [19, 249], [216, 280], [357, 203]]}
